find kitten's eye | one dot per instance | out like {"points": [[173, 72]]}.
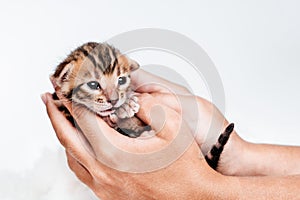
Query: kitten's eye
{"points": [[94, 85], [122, 80]]}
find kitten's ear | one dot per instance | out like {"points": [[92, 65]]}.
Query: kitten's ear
{"points": [[134, 65], [58, 78]]}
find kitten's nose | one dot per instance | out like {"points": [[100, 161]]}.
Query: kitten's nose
{"points": [[113, 102]]}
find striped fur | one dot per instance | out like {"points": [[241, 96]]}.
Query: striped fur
{"points": [[97, 76], [213, 156]]}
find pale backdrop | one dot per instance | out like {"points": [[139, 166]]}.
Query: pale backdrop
{"points": [[255, 46]]}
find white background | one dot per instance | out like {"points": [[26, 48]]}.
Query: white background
{"points": [[255, 46]]}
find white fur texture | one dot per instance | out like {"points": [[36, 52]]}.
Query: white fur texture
{"points": [[50, 179]]}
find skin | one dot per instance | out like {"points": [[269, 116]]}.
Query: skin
{"points": [[255, 159], [188, 177], [242, 158], [109, 183]]}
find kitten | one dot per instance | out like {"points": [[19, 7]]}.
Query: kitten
{"points": [[97, 76]]}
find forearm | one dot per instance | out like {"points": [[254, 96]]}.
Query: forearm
{"points": [[274, 159], [235, 187], [255, 187], [267, 187], [246, 159]]}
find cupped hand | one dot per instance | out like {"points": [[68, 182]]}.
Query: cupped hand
{"points": [[117, 167], [204, 119]]}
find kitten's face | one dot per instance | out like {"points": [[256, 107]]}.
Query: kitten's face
{"points": [[100, 81], [102, 93]]}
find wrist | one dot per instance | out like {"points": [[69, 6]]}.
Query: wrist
{"points": [[223, 187], [218, 187]]}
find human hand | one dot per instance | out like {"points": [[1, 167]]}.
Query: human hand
{"points": [[106, 161], [203, 117], [239, 157], [188, 177]]}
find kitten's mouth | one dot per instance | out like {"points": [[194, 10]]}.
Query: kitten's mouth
{"points": [[104, 109], [107, 112]]}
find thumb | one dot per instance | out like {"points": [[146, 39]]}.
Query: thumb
{"points": [[163, 120]]}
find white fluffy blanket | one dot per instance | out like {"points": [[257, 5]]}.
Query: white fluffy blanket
{"points": [[50, 179]]}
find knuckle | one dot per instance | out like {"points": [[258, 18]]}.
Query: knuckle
{"points": [[97, 174]]}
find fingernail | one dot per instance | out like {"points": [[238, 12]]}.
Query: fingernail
{"points": [[44, 98]]}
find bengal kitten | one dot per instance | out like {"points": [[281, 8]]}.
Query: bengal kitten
{"points": [[97, 76]]}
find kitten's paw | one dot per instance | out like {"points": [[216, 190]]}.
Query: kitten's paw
{"points": [[125, 111], [129, 108], [113, 117], [133, 103], [147, 134]]}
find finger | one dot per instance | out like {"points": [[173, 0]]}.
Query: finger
{"points": [[146, 82], [161, 118], [80, 171], [95, 129], [182, 104], [91, 125], [105, 141], [203, 119], [185, 105], [67, 134], [60, 124], [170, 100]]}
